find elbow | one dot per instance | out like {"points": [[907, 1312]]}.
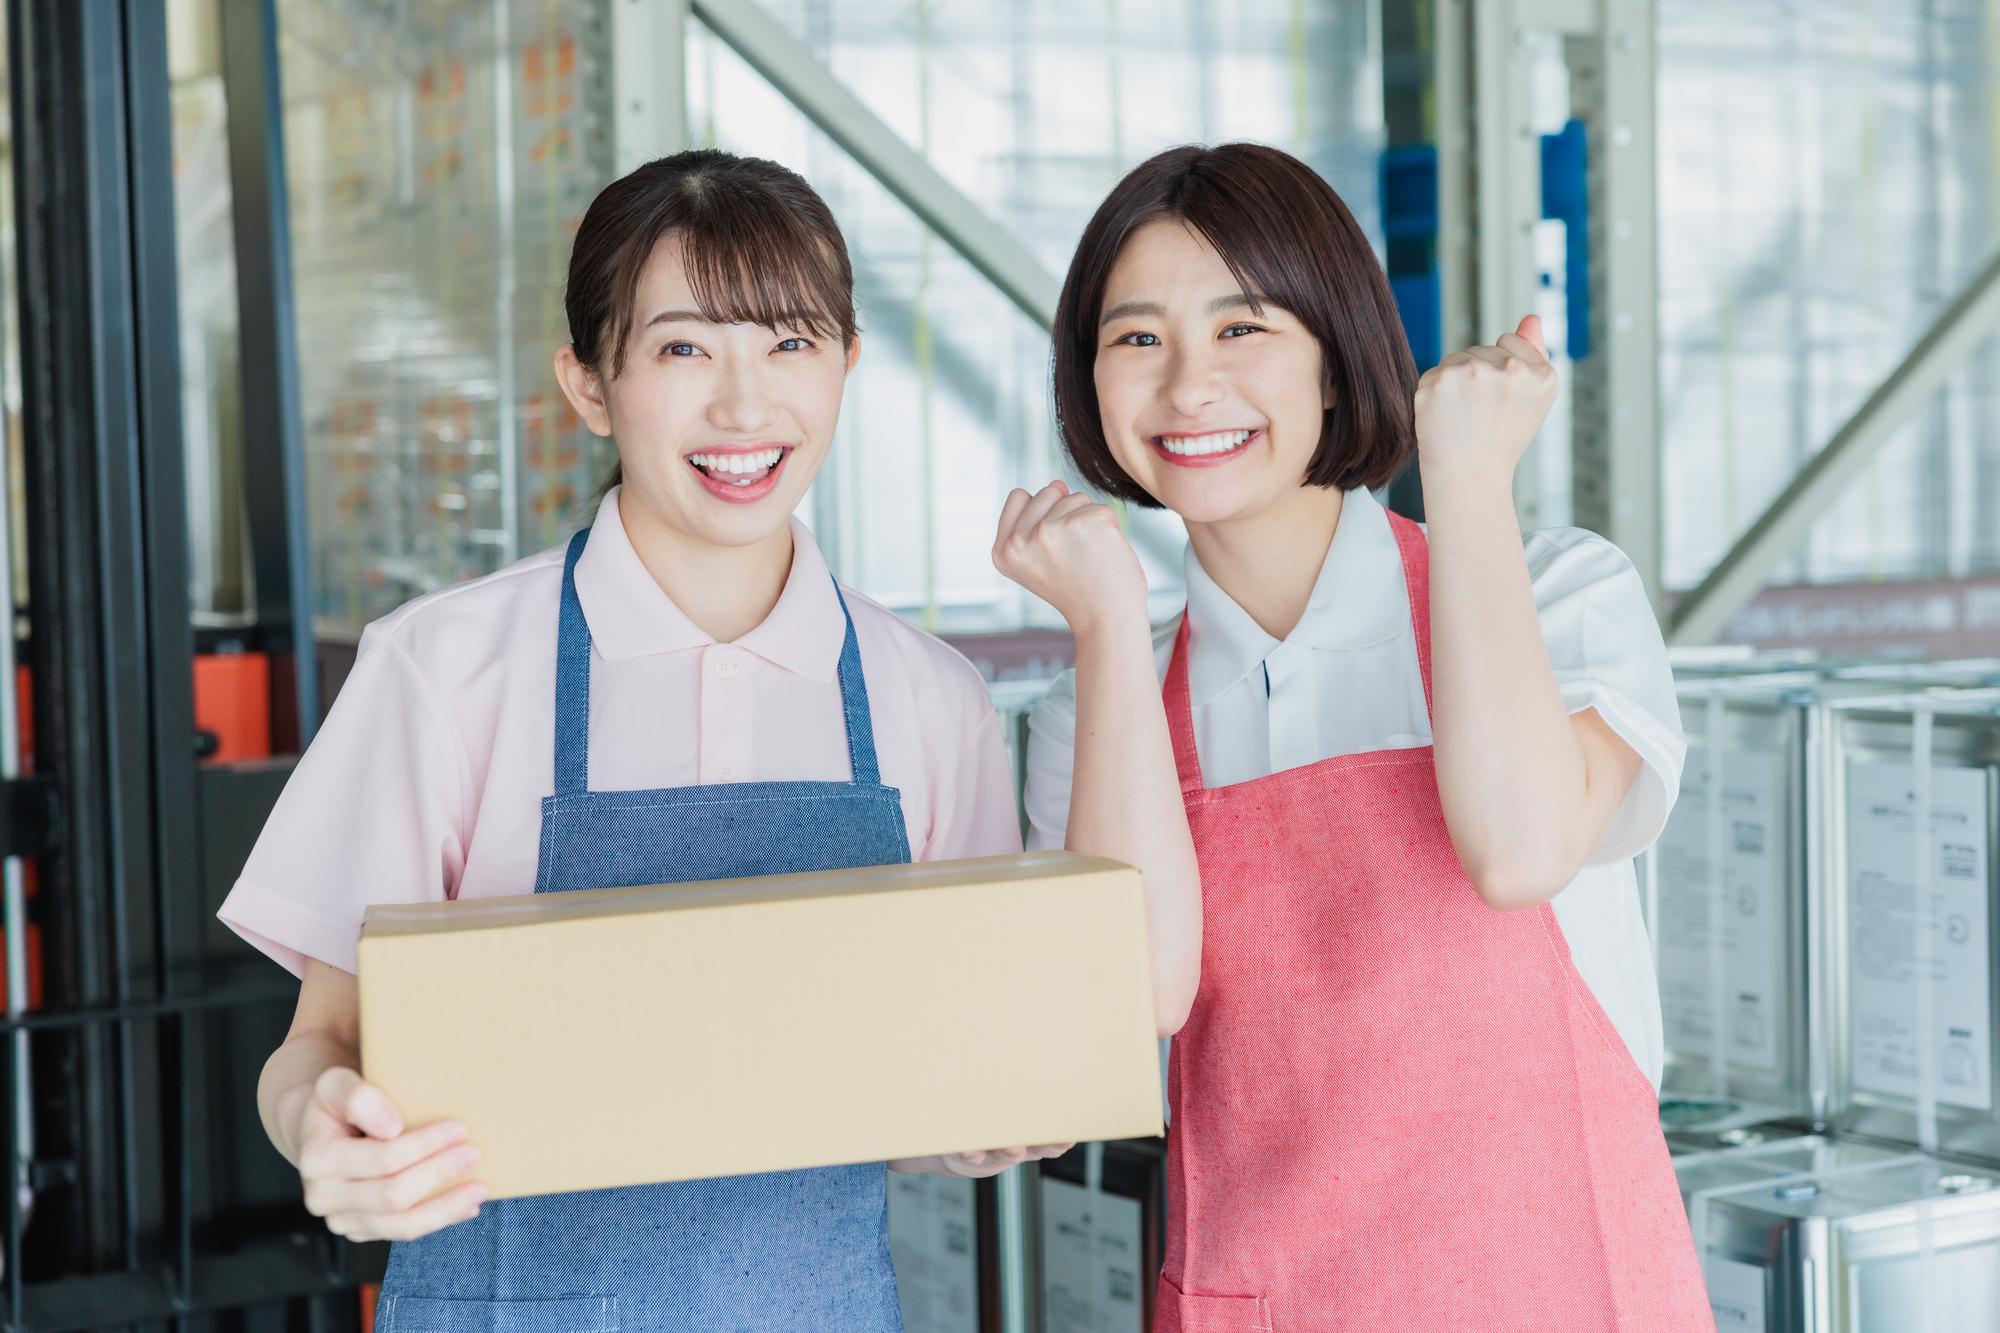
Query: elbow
{"points": [[1171, 1006], [1512, 883]]}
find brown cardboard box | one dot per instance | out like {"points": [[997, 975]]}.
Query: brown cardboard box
{"points": [[619, 1036]]}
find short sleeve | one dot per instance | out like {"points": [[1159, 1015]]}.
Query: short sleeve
{"points": [[976, 812], [1608, 653], [1050, 760], [374, 813]]}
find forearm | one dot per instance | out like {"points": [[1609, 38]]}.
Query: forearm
{"points": [[1125, 800], [288, 1078], [1512, 775]]}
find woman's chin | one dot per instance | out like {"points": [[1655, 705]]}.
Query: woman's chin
{"points": [[1196, 502]]}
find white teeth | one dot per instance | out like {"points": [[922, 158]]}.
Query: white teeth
{"points": [[737, 463], [1194, 446]]}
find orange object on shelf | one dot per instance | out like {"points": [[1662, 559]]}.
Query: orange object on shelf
{"points": [[24, 710], [34, 967], [232, 701]]}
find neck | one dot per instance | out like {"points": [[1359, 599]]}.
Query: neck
{"points": [[727, 591], [1269, 561]]}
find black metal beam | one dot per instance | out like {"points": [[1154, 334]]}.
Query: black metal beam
{"points": [[168, 635], [290, 1268], [274, 453], [110, 651], [65, 68], [1406, 114]]}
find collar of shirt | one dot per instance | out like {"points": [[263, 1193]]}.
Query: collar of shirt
{"points": [[630, 615], [1358, 600]]}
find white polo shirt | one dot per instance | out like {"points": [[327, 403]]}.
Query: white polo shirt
{"points": [[1345, 681]]}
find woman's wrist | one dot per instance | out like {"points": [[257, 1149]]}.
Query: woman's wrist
{"points": [[1111, 625], [287, 1109], [1453, 490]]}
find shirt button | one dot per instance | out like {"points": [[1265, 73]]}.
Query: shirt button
{"points": [[725, 667], [725, 772]]}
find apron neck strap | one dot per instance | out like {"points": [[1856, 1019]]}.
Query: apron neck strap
{"points": [[572, 681], [572, 776], [854, 703], [1415, 552], [1180, 714]]}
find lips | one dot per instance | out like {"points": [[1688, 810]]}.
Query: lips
{"points": [[740, 475], [1207, 449]]}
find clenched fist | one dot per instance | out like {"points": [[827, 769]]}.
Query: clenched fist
{"points": [[1478, 410], [1067, 550]]}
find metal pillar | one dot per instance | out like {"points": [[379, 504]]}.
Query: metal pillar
{"points": [[112, 648], [274, 461], [1490, 200], [648, 81], [1616, 473]]}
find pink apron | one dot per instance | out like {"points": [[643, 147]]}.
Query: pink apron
{"points": [[1393, 1106]]}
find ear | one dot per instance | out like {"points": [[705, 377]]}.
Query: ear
{"points": [[853, 353], [584, 389]]}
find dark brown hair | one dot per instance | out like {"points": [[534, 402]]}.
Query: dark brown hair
{"points": [[1288, 240], [759, 246]]}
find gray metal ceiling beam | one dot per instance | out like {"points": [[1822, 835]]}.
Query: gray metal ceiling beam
{"points": [[1743, 572], [793, 70]]}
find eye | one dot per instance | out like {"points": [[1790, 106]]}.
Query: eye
{"points": [[1137, 340], [1238, 330], [680, 349], [794, 345]]}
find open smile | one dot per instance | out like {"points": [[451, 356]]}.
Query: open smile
{"points": [[1206, 450], [739, 475]]}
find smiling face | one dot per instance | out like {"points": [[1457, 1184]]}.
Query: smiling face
{"points": [[720, 427], [1214, 407]]}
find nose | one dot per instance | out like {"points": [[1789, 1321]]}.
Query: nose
{"points": [[1194, 380], [742, 402]]}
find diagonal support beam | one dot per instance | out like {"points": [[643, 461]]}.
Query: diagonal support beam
{"points": [[794, 72], [1743, 572]]}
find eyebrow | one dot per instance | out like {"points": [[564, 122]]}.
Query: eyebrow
{"points": [[678, 317], [1233, 301]]}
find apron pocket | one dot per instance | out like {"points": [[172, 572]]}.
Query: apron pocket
{"points": [[1182, 1313], [571, 1314]]}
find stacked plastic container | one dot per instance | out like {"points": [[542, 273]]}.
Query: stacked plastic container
{"points": [[1840, 1152]]}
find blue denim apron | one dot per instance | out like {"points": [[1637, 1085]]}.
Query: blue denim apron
{"points": [[795, 1250]]}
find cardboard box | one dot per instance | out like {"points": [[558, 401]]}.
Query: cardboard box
{"points": [[611, 1037]]}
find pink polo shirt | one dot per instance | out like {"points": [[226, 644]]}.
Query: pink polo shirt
{"points": [[426, 779]]}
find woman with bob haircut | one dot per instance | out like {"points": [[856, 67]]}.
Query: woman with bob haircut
{"points": [[680, 692], [1384, 784]]}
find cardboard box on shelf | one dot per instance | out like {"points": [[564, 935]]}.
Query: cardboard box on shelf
{"points": [[609, 1037]]}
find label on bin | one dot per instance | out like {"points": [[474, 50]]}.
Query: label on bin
{"points": [[1735, 1294], [1882, 923], [1092, 1251], [934, 1245], [1754, 1008]]}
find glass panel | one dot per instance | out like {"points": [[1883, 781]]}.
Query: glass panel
{"points": [[1828, 182], [439, 156], [1033, 110]]}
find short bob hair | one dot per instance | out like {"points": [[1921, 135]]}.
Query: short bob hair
{"points": [[1288, 240]]}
